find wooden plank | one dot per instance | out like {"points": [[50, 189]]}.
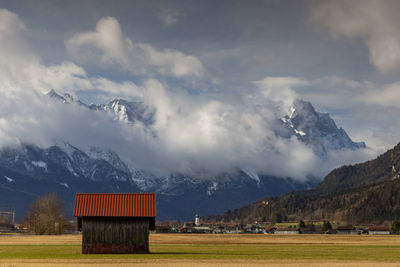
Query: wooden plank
{"points": [[124, 234]]}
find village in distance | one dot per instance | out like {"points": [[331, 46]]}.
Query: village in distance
{"points": [[54, 221]]}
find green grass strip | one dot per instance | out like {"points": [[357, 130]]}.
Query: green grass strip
{"points": [[200, 251]]}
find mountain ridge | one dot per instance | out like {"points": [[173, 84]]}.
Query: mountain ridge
{"points": [[64, 164], [367, 192]]}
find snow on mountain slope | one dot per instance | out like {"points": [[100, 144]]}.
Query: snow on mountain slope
{"points": [[61, 162], [317, 130], [122, 110], [66, 98], [127, 111], [110, 156], [227, 190]]}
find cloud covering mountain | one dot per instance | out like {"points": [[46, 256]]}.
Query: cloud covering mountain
{"points": [[193, 133]]}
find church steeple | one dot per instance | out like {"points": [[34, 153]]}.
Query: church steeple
{"points": [[197, 220]]}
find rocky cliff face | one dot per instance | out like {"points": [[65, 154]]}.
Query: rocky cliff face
{"points": [[317, 130]]}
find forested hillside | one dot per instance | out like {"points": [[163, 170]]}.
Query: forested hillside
{"points": [[363, 193]]}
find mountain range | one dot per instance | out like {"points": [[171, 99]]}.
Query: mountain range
{"points": [[365, 193], [29, 171]]}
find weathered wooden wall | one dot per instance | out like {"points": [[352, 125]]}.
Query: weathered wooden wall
{"points": [[115, 235]]}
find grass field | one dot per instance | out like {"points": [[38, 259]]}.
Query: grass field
{"points": [[210, 250]]}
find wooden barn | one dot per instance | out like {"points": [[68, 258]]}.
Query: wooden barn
{"points": [[115, 223]]}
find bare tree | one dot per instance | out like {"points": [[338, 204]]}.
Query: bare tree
{"points": [[46, 215]]}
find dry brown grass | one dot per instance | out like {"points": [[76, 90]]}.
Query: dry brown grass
{"points": [[191, 263], [19, 239], [392, 240], [205, 239]]}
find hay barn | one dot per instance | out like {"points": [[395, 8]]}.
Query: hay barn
{"points": [[115, 223]]}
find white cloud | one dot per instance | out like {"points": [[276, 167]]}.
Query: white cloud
{"points": [[169, 16], [279, 90], [375, 22], [10, 22], [339, 92], [109, 45], [22, 70], [117, 89], [213, 135], [386, 95]]}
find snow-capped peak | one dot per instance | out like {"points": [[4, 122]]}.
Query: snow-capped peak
{"points": [[66, 98], [10, 180], [292, 111], [53, 94], [66, 148], [317, 130]]}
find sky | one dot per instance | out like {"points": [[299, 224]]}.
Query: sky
{"points": [[215, 71]]}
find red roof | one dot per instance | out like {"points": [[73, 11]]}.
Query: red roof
{"points": [[115, 205]]}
